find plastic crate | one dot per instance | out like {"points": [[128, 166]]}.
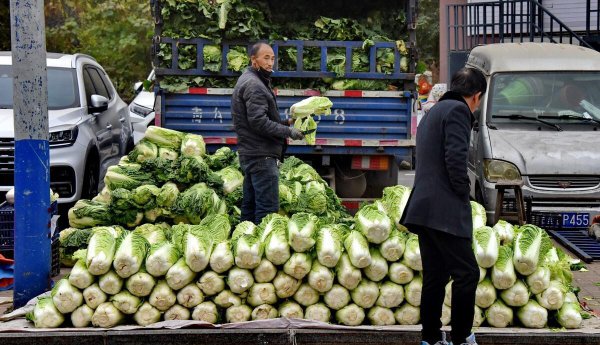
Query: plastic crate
{"points": [[7, 236]]}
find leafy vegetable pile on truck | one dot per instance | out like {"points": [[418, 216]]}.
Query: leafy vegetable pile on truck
{"points": [[193, 259]]}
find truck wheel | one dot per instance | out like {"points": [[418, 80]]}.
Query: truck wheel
{"points": [[90, 178]]}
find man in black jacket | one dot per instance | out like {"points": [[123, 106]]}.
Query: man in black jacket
{"points": [[439, 210], [261, 135]]}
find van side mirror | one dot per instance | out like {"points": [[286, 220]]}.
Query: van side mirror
{"points": [[477, 115]]}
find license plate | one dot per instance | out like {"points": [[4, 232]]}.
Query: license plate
{"points": [[575, 220]]}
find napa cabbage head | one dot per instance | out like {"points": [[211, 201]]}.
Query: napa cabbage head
{"points": [[530, 246], [478, 214], [486, 245]]}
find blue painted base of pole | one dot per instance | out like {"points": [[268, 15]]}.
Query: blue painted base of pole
{"points": [[32, 220]]}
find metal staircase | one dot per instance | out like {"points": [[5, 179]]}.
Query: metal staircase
{"points": [[470, 25]]}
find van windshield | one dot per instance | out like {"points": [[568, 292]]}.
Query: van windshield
{"points": [[62, 88], [557, 97]]}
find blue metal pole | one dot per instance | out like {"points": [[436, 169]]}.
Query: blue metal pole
{"points": [[32, 166]]}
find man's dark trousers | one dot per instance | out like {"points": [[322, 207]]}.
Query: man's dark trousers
{"points": [[261, 188], [444, 256]]}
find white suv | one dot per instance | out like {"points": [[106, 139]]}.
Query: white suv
{"points": [[89, 125]]}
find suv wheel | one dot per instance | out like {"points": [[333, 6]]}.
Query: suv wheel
{"points": [[90, 178]]}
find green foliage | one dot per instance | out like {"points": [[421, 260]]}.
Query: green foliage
{"points": [[117, 33]]}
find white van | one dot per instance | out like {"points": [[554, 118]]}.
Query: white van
{"points": [[539, 122]]}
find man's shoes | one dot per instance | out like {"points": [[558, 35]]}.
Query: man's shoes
{"points": [[441, 342], [470, 340]]}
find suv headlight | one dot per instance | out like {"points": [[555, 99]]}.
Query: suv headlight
{"points": [[64, 137], [495, 170], [140, 110]]}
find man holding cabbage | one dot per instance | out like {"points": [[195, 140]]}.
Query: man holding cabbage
{"points": [[261, 134], [439, 210]]}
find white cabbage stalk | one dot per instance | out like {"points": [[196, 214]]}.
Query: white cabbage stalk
{"points": [[285, 285], [448, 294], [413, 290], [553, 297], [239, 280], [318, 312], [329, 246], [412, 253], [486, 245], [197, 250], [400, 273], [391, 295], [347, 275], [222, 258], [211, 283], [365, 295], [226, 299], [530, 245], [248, 251], [337, 298], [111, 283], [207, 312], [532, 315], [82, 316], [107, 316], [101, 251], [161, 257], [140, 284], [126, 302], [482, 274], [350, 315], [298, 265], [517, 295], [320, 277], [570, 297], [503, 272], [146, 315], [80, 277], [539, 280], [373, 223], [265, 272], [306, 295], [66, 297], [291, 310], [378, 268], [479, 317], [569, 315], [238, 313], [277, 249], [446, 315], [380, 316], [264, 312], [94, 296], [190, 296], [485, 294], [407, 315], [357, 247], [393, 248], [180, 275], [301, 231], [261, 293], [478, 214], [162, 297], [177, 312], [272, 222], [130, 254], [45, 314], [499, 315], [505, 231]]}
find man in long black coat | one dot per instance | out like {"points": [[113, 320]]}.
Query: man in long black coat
{"points": [[439, 210]]}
